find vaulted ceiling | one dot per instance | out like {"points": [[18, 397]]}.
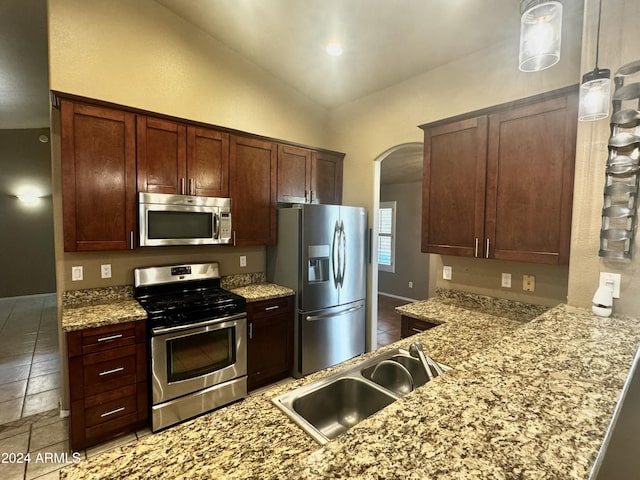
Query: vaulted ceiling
{"points": [[384, 41]]}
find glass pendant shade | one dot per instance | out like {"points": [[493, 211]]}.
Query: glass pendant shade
{"points": [[595, 93], [540, 35]]}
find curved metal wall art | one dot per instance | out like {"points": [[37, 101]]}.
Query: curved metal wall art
{"points": [[622, 175]]}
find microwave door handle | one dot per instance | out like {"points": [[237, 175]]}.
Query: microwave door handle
{"points": [[216, 226]]}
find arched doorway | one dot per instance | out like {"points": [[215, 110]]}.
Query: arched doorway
{"points": [[400, 272]]}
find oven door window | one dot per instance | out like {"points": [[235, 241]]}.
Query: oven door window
{"points": [[168, 225], [194, 355]]}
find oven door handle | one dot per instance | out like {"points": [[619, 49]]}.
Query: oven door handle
{"points": [[179, 328]]}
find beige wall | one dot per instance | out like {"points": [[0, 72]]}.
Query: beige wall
{"points": [[619, 45], [26, 230], [411, 265], [141, 55]]}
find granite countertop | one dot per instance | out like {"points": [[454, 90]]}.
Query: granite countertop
{"points": [[98, 307], [524, 400], [256, 292]]}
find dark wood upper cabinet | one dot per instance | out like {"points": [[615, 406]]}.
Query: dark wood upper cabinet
{"points": [[252, 188], [499, 184], [307, 176], [453, 187], [326, 177], [294, 174], [207, 162], [178, 159], [162, 155], [98, 162]]}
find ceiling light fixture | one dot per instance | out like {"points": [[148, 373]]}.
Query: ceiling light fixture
{"points": [[595, 89], [540, 34], [334, 49]]}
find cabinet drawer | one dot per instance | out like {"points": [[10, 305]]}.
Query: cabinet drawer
{"points": [[102, 376], [112, 410], [269, 308], [411, 326], [92, 340]]}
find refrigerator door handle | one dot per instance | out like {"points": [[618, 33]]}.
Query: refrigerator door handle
{"points": [[343, 256], [313, 318], [335, 255]]}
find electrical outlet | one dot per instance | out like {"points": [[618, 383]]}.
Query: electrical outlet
{"points": [[76, 274], [612, 280], [105, 270], [506, 280], [447, 272], [528, 283], [410, 284], [243, 260]]}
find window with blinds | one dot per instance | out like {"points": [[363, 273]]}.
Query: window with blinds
{"points": [[386, 236]]}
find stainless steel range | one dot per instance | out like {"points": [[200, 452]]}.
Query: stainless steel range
{"points": [[198, 341]]}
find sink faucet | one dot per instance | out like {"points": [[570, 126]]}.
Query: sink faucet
{"points": [[431, 367]]}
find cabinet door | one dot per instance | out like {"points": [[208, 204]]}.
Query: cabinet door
{"points": [[252, 188], [270, 345], [162, 156], [530, 166], [326, 180], [453, 187], [207, 162], [294, 174], [98, 177]]}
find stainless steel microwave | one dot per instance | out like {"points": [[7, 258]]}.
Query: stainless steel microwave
{"points": [[183, 220]]}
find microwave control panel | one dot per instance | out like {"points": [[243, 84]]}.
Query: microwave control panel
{"points": [[225, 225]]}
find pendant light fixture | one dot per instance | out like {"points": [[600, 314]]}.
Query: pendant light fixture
{"points": [[540, 34], [595, 89]]}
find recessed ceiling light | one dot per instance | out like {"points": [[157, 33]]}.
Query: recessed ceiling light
{"points": [[334, 49]]}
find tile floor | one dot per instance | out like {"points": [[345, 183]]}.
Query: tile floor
{"points": [[388, 320], [29, 359]]}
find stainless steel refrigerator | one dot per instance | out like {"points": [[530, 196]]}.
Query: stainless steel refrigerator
{"points": [[321, 253]]}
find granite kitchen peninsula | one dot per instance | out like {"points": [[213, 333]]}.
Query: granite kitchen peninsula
{"points": [[524, 400]]}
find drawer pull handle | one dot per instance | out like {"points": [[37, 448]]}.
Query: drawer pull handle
{"points": [[275, 307], [112, 337], [106, 414], [417, 330], [109, 372]]}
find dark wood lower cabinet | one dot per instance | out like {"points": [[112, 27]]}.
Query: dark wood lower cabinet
{"points": [[107, 382], [410, 326], [270, 346]]}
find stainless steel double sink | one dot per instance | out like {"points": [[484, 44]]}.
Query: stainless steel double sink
{"points": [[330, 406]]}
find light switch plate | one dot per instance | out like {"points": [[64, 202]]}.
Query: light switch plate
{"points": [[105, 270], [76, 274], [611, 278], [506, 280], [243, 260], [447, 272]]}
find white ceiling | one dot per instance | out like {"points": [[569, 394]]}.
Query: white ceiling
{"points": [[385, 41]]}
